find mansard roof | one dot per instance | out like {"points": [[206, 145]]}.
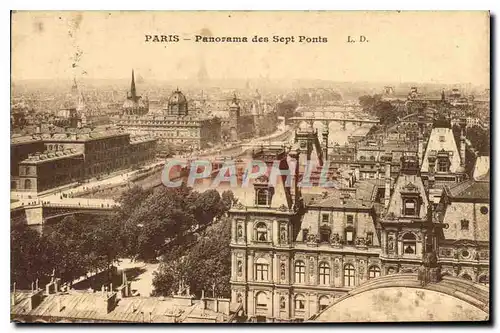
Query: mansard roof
{"points": [[407, 184], [441, 140]]}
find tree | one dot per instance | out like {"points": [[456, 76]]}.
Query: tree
{"points": [[204, 265], [26, 264], [228, 199]]}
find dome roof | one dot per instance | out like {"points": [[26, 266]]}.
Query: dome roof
{"points": [[177, 98]]}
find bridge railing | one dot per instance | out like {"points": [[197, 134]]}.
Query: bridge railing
{"points": [[81, 205]]}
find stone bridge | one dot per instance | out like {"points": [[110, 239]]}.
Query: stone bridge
{"points": [[401, 297]]}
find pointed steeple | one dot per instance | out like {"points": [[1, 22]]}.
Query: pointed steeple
{"points": [[133, 93]]}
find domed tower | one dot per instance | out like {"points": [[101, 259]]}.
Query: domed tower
{"points": [[134, 105], [177, 104]]}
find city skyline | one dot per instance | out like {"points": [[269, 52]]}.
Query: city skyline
{"points": [[106, 45]]}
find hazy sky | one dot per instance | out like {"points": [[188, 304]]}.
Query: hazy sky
{"points": [[441, 47]]}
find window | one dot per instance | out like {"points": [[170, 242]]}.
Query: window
{"points": [[300, 302], [300, 271], [262, 197], [27, 184], [362, 158], [324, 273], [466, 277], [350, 219], [324, 301], [372, 158], [261, 232], [464, 224], [325, 218], [261, 300], [410, 207], [484, 279], [369, 238], [443, 165], [349, 235], [261, 270], [240, 231], [305, 233], [373, 272], [303, 144], [409, 243], [349, 275], [484, 210], [324, 234], [441, 138]]}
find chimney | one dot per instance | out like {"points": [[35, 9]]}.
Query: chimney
{"points": [[420, 147], [463, 124], [387, 195]]}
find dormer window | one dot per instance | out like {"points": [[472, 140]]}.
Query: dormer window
{"points": [[443, 165], [262, 197], [441, 138], [410, 243], [464, 224], [410, 207]]}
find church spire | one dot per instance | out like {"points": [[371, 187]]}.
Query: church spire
{"points": [[132, 87]]}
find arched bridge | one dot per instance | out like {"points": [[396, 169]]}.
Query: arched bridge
{"points": [[401, 297]]}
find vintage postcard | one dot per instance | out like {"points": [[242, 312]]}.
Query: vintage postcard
{"points": [[250, 166]]}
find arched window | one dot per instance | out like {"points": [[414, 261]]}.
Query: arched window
{"points": [[466, 277], [261, 232], [27, 184], [409, 243], [324, 301], [324, 273], [349, 273], [261, 270], [484, 279], [373, 272], [262, 196], [300, 302], [261, 300], [300, 271]]}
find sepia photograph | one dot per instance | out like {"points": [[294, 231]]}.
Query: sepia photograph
{"points": [[241, 167]]}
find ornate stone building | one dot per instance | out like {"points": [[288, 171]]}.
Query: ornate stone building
{"points": [[293, 253], [176, 127]]}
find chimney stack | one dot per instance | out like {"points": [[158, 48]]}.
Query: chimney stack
{"points": [[387, 195]]}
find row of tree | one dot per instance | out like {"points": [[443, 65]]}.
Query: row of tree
{"points": [[149, 225], [384, 110]]}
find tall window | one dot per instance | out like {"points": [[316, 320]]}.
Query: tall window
{"points": [[262, 197], [261, 270], [369, 238], [300, 271], [464, 224], [350, 219], [373, 272], [300, 302], [324, 273], [324, 234], [261, 300], [27, 184], [410, 207], [349, 235], [325, 218], [349, 272], [442, 165], [409, 243], [262, 232]]}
